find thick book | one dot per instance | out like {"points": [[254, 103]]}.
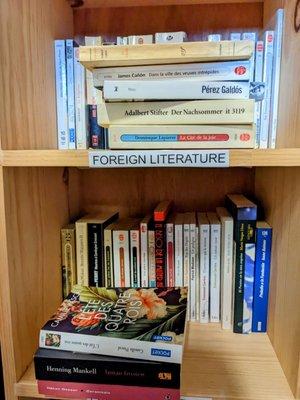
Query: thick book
{"points": [[65, 366], [174, 89], [74, 390], [204, 261], [262, 276], [218, 71], [181, 136], [71, 92], [226, 267], [215, 266], [178, 227], [145, 324], [244, 213], [89, 247], [61, 94], [160, 215], [206, 112], [144, 226], [135, 271], [68, 258], [169, 53]]}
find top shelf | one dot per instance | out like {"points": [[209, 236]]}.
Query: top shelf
{"points": [[79, 158], [133, 3]]}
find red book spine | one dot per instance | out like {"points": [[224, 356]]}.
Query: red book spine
{"points": [[72, 390], [160, 254]]}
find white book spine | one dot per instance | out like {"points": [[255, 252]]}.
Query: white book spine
{"points": [[251, 36], [117, 347], [144, 255], [174, 89], [215, 254], [61, 94], [71, 93], [108, 258], [140, 39], [170, 254], [170, 37], [192, 283], [204, 257], [82, 254], [216, 71], [235, 36], [121, 258], [80, 103], [197, 275], [214, 38], [267, 79], [186, 254], [178, 255], [227, 273], [135, 275], [151, 258], [276, 77], [259, 62], [92, 94]]}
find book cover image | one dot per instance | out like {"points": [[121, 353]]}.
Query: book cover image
{"points": [[145, 323]]}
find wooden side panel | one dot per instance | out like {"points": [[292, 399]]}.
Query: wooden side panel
{"points": [[137, 191], [36, 207], [194, 19], [289, 101], [279, 190], [27, 83]]}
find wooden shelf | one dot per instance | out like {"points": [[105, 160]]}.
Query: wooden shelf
{"points": [[217, 364], [79, 158], [132, 3]]}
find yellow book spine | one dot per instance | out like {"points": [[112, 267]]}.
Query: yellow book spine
{"points": [[82, 253], [68, 250]]}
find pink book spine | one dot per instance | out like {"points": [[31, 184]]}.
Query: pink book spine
{"points": [[72, 390]]}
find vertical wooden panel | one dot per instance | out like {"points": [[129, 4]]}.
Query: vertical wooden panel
{"points": [[289, 101], [36, 207], [27, 84], [279, 190]]}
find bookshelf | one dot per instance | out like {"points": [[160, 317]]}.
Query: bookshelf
{"points": [[41, 189]]}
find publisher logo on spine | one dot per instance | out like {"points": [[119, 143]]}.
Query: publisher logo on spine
{"points": [[241, 70], [160, 353]]}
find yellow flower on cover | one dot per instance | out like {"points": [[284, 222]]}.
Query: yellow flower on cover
{"points": [[151, 305]]}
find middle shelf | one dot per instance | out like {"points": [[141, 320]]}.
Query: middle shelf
{"points": [[285, 157]]}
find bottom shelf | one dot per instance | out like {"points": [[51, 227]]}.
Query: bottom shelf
{"points": [[218, 365]]}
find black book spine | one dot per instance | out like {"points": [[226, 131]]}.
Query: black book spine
{"points": [[95, 254], [160, 254], [95, 130], [164, 375], [244, 234]]}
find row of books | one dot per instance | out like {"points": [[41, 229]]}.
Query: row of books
{"points": [[114, 344], [166, 249]]}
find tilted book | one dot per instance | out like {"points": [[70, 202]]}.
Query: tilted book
{"points": [[171, 53], [66, 366], [207, 112], [217, 71], [74, 390], [181, 136], [145, 324], [174, 89]]}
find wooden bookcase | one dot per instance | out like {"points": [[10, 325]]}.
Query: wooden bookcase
{"points": [[41, 189]]}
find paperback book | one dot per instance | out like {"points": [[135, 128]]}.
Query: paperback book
{"points": [[145, 324]]}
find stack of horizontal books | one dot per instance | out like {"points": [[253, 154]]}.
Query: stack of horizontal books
{"points": [[116, 344]]}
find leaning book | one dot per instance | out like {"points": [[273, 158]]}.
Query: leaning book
{"points": [[147, 324]]}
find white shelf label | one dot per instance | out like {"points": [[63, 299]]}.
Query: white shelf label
{"points": [[159, 158]]}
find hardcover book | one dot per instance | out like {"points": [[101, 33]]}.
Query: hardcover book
{"points": [[145, 324], [206, 112], [218, 71], [169, 53], [181, 136], [71, 390], [65, 366]]}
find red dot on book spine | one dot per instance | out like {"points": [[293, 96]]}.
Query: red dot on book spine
{"points": [[240, 70]]}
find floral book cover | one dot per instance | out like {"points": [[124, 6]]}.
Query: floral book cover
{"points": [[141, 323]]}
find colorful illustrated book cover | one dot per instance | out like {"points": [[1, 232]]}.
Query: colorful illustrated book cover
{"points": [[141, 323]]}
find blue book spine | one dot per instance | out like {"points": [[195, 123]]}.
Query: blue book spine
{"points": [[71, 92], [248, 287], [61, 94], [262, 279]]}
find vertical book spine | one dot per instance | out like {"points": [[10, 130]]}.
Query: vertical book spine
{"points": [[94, 254], [71, 93], [170, 254], [108, 257], [151, 258], [82, 254], [215, 244], [80, 103], [160, 256], [204, 272], [68, 260]]}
